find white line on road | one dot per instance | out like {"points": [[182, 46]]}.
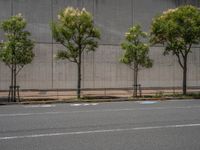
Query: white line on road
{"points": [[98, 131], [147, 102], [99, 111], [39, 106], [84, 104]]}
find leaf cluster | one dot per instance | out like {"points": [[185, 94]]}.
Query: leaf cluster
{"points": [[135, 51], [76, 32], [17, 48], [177, 29]]}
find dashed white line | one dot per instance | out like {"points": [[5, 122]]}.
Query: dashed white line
{"points": [[98, 131]]}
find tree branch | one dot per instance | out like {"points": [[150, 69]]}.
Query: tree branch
{"points": [[83, 48], [64, 44], [74, 60], [19, 69], [182, 54], [179, 60], [130, 66], [133, 68], [9, 66], [188, 49]]}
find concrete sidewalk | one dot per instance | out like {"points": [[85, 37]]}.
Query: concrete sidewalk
{"points": [[59, 95]]}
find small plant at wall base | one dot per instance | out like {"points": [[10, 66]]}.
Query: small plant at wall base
{"points": [[16, 50], [76, 32], [136, 52], [177, 29]]}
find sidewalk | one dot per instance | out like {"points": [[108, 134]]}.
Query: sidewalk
{"points": [[60, 95]]}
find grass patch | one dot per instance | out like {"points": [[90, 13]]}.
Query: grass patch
{"points": [[162, 95], [194, 95], [98, 97]]}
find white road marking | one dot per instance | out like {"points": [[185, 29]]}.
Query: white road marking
{"points": [[94, 104], [100, 111], [84, 104], [75, 104], [38, 106], [147, 102], [98, 131]]}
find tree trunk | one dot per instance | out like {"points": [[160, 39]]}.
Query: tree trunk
{"points": [[11, 95], [135, 80], [184, 88], [15, 82], [79, 76]]}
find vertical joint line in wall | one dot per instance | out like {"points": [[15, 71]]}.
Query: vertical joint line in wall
{"points": [[83, 58], [93, 7], [174, 67], [79, 4], [104, 69], [178, 3], [93, 70], [12, 7], [132, 12], [197, 68], [52, 85], [93, 11]]}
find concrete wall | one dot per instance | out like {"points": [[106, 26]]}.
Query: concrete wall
{"points": [[102, 68]]}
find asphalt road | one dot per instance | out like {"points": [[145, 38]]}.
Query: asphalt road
{"points": [[169, 125]]}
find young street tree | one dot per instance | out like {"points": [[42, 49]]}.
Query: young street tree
{"points": [[16, 50], [136, 52], [76, 32], [177, 29]]}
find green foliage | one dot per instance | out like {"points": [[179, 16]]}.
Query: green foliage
{"points": [[159, 94], [76, 32], [195, 95], [135, 51], [17, 48], [177, 29]]}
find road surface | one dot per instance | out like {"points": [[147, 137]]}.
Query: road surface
{"points": [[166, 125]]}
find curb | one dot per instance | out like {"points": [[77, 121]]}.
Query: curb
{"points": [[43, 101], [89, 101], [72, 101]]}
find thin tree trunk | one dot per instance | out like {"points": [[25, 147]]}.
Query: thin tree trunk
{"points": [[185, 76], [79, 77], [135, 80], [12, 80], [15, 82], [11, 95]]}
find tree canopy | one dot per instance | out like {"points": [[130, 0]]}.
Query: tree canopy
{"points": [[177, 29], [17, 48], [136, 52], [75, 30]]}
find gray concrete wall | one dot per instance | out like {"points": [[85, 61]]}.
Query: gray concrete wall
{"points": [[102, 68]]}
